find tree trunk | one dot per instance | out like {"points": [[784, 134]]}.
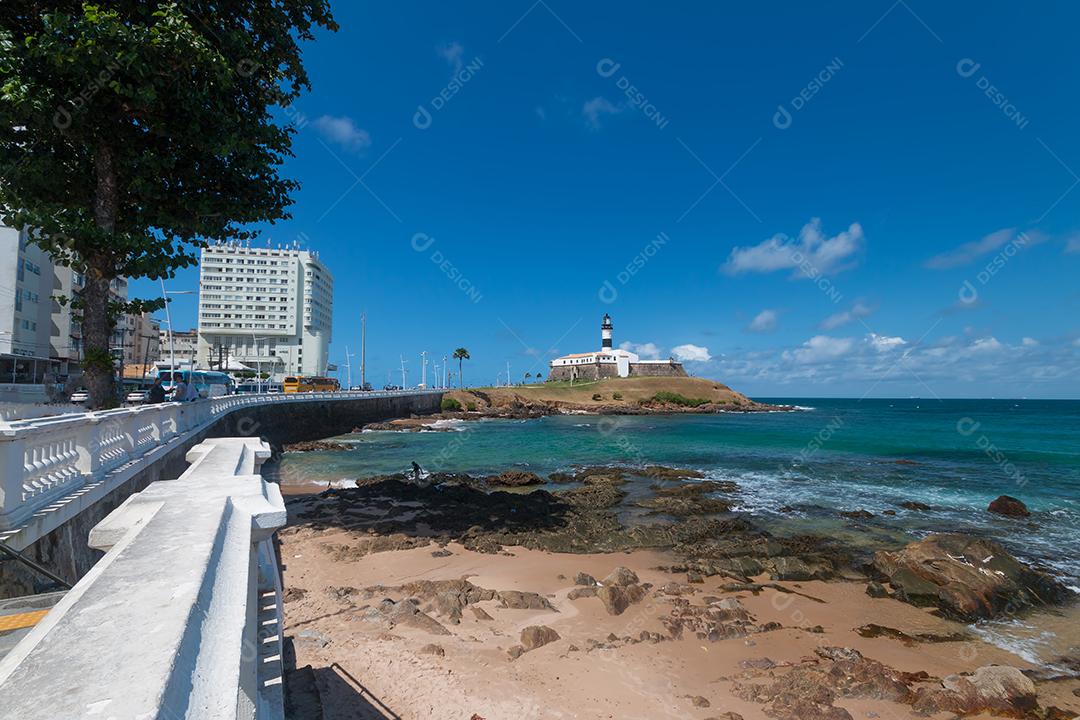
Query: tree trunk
{"points": [[97, 328], [97, 332], [460, 379]]}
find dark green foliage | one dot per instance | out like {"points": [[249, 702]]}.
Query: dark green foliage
{"points": [[673, 398], [133, 132]]}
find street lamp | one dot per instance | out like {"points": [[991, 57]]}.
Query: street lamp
{"points": [[258, 360], [168, 320]]}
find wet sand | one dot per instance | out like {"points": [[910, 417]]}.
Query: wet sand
{"points": [[598, 668]]}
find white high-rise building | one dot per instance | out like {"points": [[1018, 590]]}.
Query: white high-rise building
{"points": [[26, 289], [37, 333], [266, 309]]}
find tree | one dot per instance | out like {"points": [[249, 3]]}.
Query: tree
{"points": [[527, 376], [132, 133], [461, 354]]}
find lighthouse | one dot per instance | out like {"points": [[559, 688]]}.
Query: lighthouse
{"points": [[605, 332]]}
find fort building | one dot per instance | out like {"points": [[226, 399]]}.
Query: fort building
{"points": [[610, 362]]}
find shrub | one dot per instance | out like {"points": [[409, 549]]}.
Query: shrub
{"points": [[449, 403], [616, 396], [471, 406], [597, 396], [677, 399]]}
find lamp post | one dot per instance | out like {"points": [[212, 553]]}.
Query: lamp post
{"points": [[258, 360], [348, 366], [168, 320]]}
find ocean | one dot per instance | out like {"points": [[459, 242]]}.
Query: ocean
{"points": [[832, 455], [798, 470]]}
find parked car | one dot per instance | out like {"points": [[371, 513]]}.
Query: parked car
{"points": [[391, 387], [79, 397]]}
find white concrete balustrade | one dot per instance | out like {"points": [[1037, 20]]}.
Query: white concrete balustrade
{"points": [[71, 459], [181, 618]]}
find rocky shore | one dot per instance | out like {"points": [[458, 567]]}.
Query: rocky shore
{"points": [[504, 591], [478, 405]]}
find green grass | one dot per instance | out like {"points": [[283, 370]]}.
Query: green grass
{"points": [[677, 399], [449, 403]]}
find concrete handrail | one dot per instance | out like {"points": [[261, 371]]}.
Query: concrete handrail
{"points": [[181, 618], [42, 459]]}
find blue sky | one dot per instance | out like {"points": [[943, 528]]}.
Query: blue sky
{"points": [[844, 199]]}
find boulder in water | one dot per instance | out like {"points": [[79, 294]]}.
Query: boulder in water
{"points": [[1010, 506], [966, 577]]}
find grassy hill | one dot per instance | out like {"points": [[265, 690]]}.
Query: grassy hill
{"points": [[659, 393]]}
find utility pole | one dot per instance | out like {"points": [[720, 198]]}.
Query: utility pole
{"points": [[146, 355], [404, 374], [363, 349], [446, 375], [423, 368], [507, 373]]}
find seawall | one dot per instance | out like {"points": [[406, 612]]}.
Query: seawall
{"points": [[65, 551]]}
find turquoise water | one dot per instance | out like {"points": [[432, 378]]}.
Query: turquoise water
{"points": [[955, 455]]}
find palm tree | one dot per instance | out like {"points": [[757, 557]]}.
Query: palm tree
{"points": [[461, 354]]}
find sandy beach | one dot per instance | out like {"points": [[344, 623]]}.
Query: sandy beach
{"points": [[414, 624]]}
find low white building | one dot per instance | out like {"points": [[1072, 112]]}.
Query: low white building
{"points": [[609, 361]]}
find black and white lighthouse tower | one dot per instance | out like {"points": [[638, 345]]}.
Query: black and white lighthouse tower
{"points": [[605, 332]]}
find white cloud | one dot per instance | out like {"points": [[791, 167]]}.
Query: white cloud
{"points": [[454, 54], [593, 109], [858, 310], [811, 254], [819, 349], [986, 344], [971, 251], [647, 351], [1030, 342], [764, 321], [885, 343], [1072, 246], [691, 353], [960, 365], [343, 131]]}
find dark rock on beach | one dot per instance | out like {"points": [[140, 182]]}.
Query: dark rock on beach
{"points": [[1010, 506], [689, 499], [996, 690], [537, 636], [876, 590], [316, 445], [514, 478], [967, 578]]}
